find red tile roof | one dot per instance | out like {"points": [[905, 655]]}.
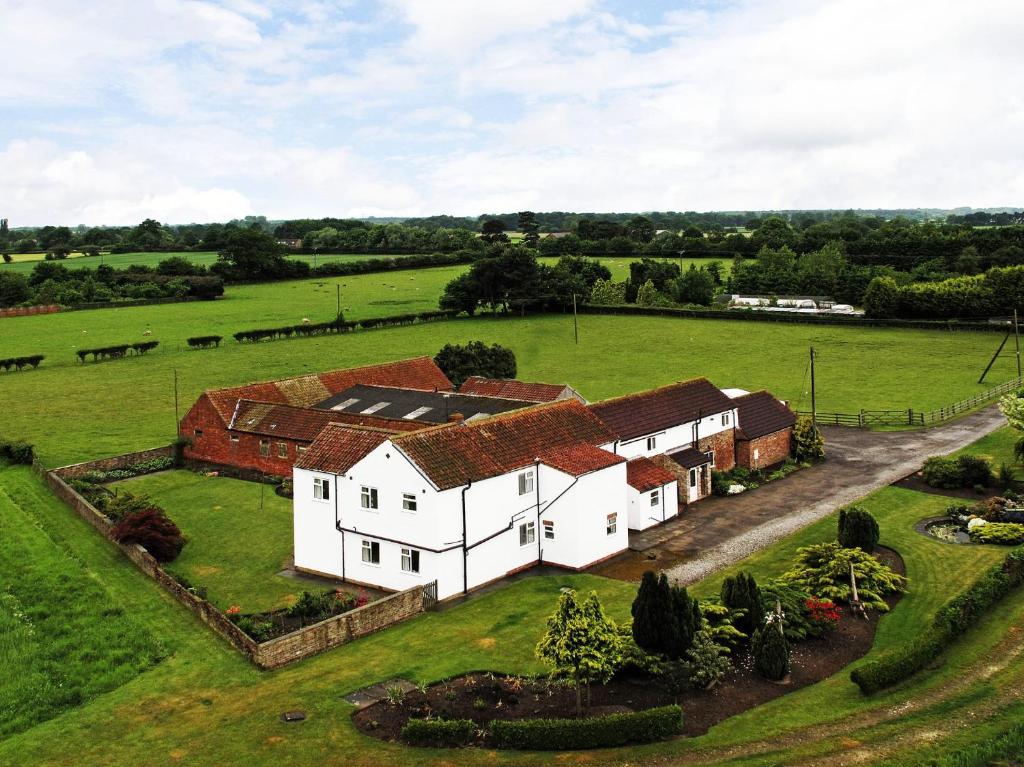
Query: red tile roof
{"points": [[508, 388], [303, 424], [648, 412], [455, 454], [303, 391], [643, 474], [338, 448], [577, 460], [760, 413]]}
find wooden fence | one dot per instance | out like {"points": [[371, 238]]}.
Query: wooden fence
{"points": [[910, 416]]}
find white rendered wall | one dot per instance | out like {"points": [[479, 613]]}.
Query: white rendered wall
{"points": [[676, 437], [643, 515]]}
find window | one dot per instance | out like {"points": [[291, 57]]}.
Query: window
{"points": [[549, 529], [321, 488], [526, 482], [371, 552], [411, 560], [693, 478], [282, 449], [655, 497], [300, 449], [527, 533], [725, 419], [345, 404], [612, 524], [368, 498], [710, 455], [652, 442], [408, 502], [374, 408], [265, 447], [234, 439], [198, 432], [417, 413]]}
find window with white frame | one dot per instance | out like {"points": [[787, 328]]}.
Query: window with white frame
{"points": [[371, 552], [282, 449], [408, 502], [549, 529], [710, 455], [321, 488], [265, 448], [652, 442], [526, 482], [655, 497], [234, 439], [611, 524], [527, 533], [693, 478], [725, 419], [300, 449], [368, 497], [410, 560]]}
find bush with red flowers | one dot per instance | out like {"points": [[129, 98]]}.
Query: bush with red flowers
{"points": [[153, 530], [823, 615]]}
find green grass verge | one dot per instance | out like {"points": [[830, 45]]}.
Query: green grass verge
{"points": [[239, 537]]}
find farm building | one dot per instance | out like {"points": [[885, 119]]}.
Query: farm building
{"points": [[518, 390], [765, 434]]}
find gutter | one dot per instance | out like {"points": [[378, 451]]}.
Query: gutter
{"points": [[465, 549]]}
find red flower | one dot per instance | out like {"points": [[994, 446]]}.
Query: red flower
{"points": [[234, 610]]}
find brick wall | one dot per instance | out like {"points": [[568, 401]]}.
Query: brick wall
{"points": [[275, 653], [115, 462], [27, 311], [724, 445], [772, 449]]}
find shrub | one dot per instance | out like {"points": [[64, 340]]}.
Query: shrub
{"points": [[16, 451], [974, 470], [257, 628], [808, 444], [824, 569], [153, 530], [956, 617], [310, 607], [460, 361], [1000, 533], [824, 615], [771, 652], [857, 529], [1006, 474], [121, 504], [793, 602], [952, 473], [706, 662], [740, 592], [438, 733], [665, 618], [203, 342], [595, 732], [20, 363]]}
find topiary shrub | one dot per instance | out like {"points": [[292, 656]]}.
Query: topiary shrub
{"points": [[771, 651], [594, 732], [740, 592], [857, 529], [153, 530]]}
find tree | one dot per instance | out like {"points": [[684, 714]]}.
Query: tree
{"points": [[608, 293], [493, 231], [254, 254], [176, 266], [684, 621], [773, 232], [153, 530], [665, 618], [695, 286], [882, 298], [14, 289], [648, 295], [808, 442], [857, 529], [461, 295], [581, 643], [771, 650], [528, 226], [968, 262], [640, 229], [4, 230], [459, 362], [740, 593]]}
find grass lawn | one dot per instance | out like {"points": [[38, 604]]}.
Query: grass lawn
{"points": [[205, 705], [63, 638], [239, 537]]}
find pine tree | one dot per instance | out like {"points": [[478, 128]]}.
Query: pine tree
{"points": [[771, 651], [649, 614], [858, 529], [684, 623], [740, 592]]}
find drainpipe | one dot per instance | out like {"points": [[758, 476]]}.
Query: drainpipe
{"points": [[663, 503], [465, 550], [536, 487], [337, 526]]}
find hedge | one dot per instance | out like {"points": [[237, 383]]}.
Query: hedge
{"points": [[337, 326], [20, 362], [438, 732], [116, 352], [596, 732], [203, 342], [16, 451], [956, 617]]}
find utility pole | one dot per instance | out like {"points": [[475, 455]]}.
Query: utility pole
{"points": [[576, 327], [814, 401], [1016, 340], [338, 286], [176, 419]]}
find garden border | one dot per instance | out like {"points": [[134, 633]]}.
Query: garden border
{"points": [[274, 653]]}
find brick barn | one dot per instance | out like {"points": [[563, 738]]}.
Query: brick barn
{"points": [[765, 434]]}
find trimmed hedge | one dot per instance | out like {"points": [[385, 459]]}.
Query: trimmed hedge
{"points": [[597, 732], [204, 342], [20, 362], [116, 352], [338, 326], [438, 733], [958, 615], [16, 451]]}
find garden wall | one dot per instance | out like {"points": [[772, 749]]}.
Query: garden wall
{"points": [[275, 653], [28, 311]]}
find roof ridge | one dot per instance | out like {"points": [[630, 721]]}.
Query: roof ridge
{"points": [[361, 427], [646, 392], [320, 373]]}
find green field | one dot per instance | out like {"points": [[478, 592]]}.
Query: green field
{"points": [[239, 537], [205, 705]]}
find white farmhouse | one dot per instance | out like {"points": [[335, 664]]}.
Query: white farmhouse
{"points": [[462, 503]]}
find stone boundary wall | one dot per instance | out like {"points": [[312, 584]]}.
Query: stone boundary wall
{"points": [[275, 653], [28, 311]]}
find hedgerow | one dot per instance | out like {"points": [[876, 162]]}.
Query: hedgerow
{"points": [[204, 342], [21, 362], [116, 352], [337, 326]]}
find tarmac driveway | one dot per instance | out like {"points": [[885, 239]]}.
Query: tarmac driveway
{"points": [[716, 532]]}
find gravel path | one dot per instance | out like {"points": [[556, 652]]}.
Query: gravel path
{"points": [[720, 531]]}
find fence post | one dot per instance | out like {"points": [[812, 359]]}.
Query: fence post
{"points": [[860, 418], [910, 416]]}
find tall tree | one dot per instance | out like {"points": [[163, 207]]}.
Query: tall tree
{"points": [[740, 592], [529, 227], [493, 230]]}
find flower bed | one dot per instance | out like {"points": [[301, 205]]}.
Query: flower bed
{"points": [[739, 479], [310, 608]]}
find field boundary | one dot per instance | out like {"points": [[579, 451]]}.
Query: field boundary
{"points": [[911, 417], [275, 653]]}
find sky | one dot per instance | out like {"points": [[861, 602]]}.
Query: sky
{"points": [[203, 110]]}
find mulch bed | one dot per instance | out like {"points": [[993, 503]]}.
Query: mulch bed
{"points": [[916, 482], [743, 688]]}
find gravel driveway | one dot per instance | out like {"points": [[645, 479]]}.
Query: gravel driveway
{"points": [[719, 531]]}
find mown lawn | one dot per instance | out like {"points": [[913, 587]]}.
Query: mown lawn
{"points": [[63, 638], [205, 705], [239, 537]]}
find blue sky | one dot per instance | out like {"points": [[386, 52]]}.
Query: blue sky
{"points": [[195, 110]]}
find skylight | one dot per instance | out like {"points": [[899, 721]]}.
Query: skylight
{"points": [[417, 413], [374, 408], [345, 404]]}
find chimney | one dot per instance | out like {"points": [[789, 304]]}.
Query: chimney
{"points": [[458, 418]]}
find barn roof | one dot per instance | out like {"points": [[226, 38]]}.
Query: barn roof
{"points": [[509, 388], [648, 412], [303, 424], [338, 448], [455, 454], [643, 474], [409, 404], [761, 413], [304, 391]]}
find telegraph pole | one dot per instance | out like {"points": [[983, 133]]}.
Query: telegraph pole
{"points": [[1016, 340], [576, 327], [176, 419], [338, 286], [814, 402]]}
